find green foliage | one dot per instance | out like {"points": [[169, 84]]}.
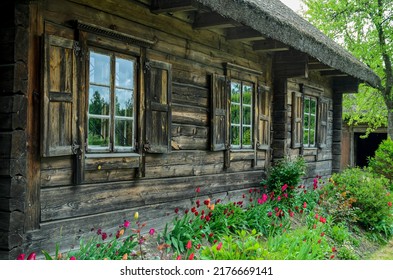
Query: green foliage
{"points": [[227, 218], [286, 171], [240, 246], [382, 162], [369, 197], [299, 244], [364, 28]]}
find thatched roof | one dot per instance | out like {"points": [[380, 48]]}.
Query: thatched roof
{"points": [[275, 20]]}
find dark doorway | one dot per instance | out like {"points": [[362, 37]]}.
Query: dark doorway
{"points": [[365, 148]]}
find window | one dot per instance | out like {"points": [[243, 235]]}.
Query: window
{"points": [[309, 121], [111, 106], [241, 114]]}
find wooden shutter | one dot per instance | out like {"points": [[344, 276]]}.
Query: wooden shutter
{"points": [[323, 107], [58, 121], [263, 118], [219, 113], [158, 107], [297, 119]]}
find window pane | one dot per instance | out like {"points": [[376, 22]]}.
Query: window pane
{"points": [[123, 133], [124, 73], [312, 137], [99, 100], [99, 69], [306, 121], [247, 94], [235, 92], [235, 114], [305, 137], [247, 115], [98, 132], [124, 103], [246, 136], [235, 135], [312, 122], [313, 106], [306, 105]]}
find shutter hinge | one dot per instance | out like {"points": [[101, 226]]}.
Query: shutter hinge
{"points": [[147, 146], [76, 149], [147, 66], [77, 49]]}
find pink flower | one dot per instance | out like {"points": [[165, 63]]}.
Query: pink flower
{"points": [[390, 204], [72, 258], [126, 223], [334, 249], [285, 195], [315, 184], [305, 205], [322, 220], [31, 256], [269, 214], [176, 210], [21, 257], [198, 190], [219, 246], [191, 257], [278, 198], [104, 236], [283, 188], [152, 231], [189, 245], [178, 257], [291, 214]]}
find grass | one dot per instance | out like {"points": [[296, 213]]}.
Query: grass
{"points": [[383, 253]]}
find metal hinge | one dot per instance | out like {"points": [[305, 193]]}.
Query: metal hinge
{"points": [[77, 49]]}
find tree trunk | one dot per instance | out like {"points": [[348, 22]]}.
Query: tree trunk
{"points": [[390, 122]]}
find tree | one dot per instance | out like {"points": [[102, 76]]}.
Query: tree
{"points": [[365, 28]]}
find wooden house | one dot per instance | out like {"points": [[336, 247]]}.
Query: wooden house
{"points": [[116, 106]]}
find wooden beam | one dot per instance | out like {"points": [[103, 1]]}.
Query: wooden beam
{"points": [[345, 85], [333, 73], [213, 20], [312, 60], [319, 67], [243, 33], [290, 64], [269, 46], [172, 6]]}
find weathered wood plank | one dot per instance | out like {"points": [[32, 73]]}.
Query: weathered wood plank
{"points": [[68, 233], [189, 137], [114, 175], [12, 186], [67, 202], [9, 240], [190, 115], [108, 163], [56, 177], [12, 144], [190, 95], [13, 112]]}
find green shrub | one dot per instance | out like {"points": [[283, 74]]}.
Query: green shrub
{"points": [[367, 195], [286, 171], [382, 162]]}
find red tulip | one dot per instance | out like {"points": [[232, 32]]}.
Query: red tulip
{"points": [[31, 256]]}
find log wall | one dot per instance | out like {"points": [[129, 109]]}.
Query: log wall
{"points": [[111, 190]]}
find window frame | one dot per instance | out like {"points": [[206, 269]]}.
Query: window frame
{"points": [[241, 124], [112, 148], [310, 115]]}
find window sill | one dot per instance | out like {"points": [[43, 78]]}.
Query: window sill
{"points": [[241, 150], [310, 151], [111, 155]]}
